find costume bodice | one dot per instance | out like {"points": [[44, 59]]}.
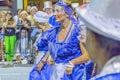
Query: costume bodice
{"points": [[67, 49], [61, 51]]}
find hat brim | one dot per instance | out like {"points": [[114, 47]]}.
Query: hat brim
{"points": [[47, 8], [99, 25], [41, 17]]}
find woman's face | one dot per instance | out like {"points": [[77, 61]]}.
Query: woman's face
{"points": [[9, 16], [59, 13], [19, 11], [24, 16], [33, 11], [3, 14], [40, 25], [48, 10]]}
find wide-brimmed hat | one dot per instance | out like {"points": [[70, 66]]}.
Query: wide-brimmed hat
{"points": [[47, 4], [102, 17], [41, 17]]}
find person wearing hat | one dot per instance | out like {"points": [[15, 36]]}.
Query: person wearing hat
{"points": [[48, 7], [33, 10], [103, 37], [41, 19], [41, 69]]}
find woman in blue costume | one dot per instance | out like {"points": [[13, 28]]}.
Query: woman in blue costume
{"points": [[64, 46]]}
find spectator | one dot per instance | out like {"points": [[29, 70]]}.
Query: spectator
{"points": [[48, 7], [2, 19], [18, 26], [28, 9], [10, 37], [33, 10], [25, 35], [16, 17]]}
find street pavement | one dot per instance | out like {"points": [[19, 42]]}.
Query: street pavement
{"points": [[15, 72]]}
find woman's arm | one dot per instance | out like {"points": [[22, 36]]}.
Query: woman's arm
{"points": [[50, 60], [5, 24], [11, 25], [42, 62], [14, 24], [83, 58], [46, 56]]}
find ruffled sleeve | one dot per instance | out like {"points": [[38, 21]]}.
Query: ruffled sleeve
{"points": [[47, 37], [53, 23], [42, 44]]}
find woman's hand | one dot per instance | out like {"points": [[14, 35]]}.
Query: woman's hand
{"points": [[50, 61], [69, 70], [69, 67], [42, 62]]}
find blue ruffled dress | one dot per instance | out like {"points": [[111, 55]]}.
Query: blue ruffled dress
{"points": [[61, 52], [114, 76], [46, 70]]}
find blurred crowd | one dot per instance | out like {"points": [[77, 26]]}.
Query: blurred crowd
{"points": [[19, 32]]}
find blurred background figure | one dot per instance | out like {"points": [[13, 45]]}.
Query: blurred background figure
{"points": [[2, 20], [28, 9], [10, 37], [18, 21], [103, 37], [17, 17], [41, 19], [48, 7], [24, 35], [33, 10], [42, 23]]}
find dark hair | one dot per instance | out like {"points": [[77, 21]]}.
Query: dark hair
{"points": [[18, 10], [111, 46], [10, 13]]}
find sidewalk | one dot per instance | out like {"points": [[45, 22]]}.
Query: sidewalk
{"points": [[15, 72], [16, 65]]}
